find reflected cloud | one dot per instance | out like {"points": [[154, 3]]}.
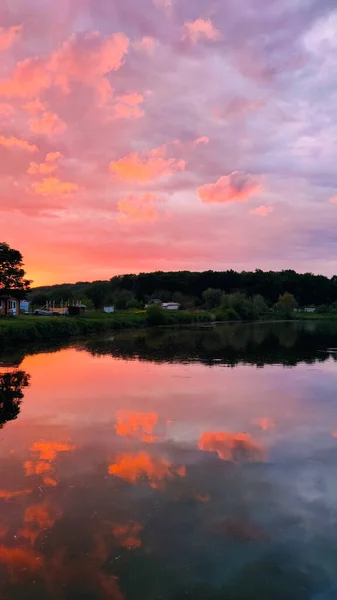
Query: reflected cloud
{"points": [[136, 425], [135, 468], [6, 495], [265, 423], [42, 463], [128, 534], [234, 447]]}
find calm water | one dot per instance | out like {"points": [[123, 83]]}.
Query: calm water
{"points": [[174, 465]]}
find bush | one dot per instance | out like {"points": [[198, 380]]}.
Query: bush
{"points": [[156, 315]]}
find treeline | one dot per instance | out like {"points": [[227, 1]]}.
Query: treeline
{"points": [[190, 288]]}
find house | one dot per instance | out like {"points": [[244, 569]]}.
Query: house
{"points": [[310, 309], [76, 311], [9, 305], [109, 309], [171, 305]]}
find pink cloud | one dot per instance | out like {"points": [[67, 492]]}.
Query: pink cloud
{"points": [[52, 186], [49, 166], [127, 107], [333, 200], [238, 107], [14, 142], [200, 29], [6, 111], [236, 187], [139, 208], [146, 44], [262, 211], [8, 36], [201, 140], [84, 58], [34, 106], [48, 124], [146, 167], [165, 6]]}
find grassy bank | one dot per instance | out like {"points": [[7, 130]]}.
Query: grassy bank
{"points": [[31, 328]]}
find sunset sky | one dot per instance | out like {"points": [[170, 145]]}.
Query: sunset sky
{"points": [[138, 135]]}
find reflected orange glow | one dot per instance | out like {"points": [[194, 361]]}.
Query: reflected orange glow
{"points": [[127, 534], [40, 514], [265, 423], [235, 447], [3, 530], [6, 495], [203, 498], [136, 425], [28, 534], [47, 452], [137, 467], [20, 558]]}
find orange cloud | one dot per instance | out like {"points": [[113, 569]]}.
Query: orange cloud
{"points": [[13, 142], [48, 124], [265, 423], [49, 166], [262, 211], [9, 35], [236, 187], [29, 78], [147, 167], [135, 468], [127, 534], [6, 495], [235, 447], [52, 186], [136, 425], [201, 29], [49, 450], [146, 44], [139, 208], [42, 465]]}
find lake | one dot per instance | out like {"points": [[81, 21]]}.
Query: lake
{"points": [[171, 465]]}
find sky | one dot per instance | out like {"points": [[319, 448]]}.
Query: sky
{"points": [[141, 135]]}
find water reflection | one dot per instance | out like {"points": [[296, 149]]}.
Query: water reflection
{"points": [[232, 344], [133, 479], [11, 394]]}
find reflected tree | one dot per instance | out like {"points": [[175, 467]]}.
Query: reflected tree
{"points": [[11, 394]]}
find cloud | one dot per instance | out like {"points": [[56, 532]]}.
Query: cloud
{"points": [[146, 45], [235, 447], [236, 187], [127, 107], [6, 111], [34, 106], [48, 124], [333, 200], [8, 36], [84, 58], [265, 423], [139, 208], [200, 29], [262, 211], [146, 167], [14, 142], [52, 186], [201, 140], [135, 468], [49, 166], [136, 425], [239, 107], [127, 535], [165, 6]]}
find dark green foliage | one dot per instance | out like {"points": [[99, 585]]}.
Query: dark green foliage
{"points": [[11, 394], [189, 288], [286, 305], [156, 315], [12, 274]]}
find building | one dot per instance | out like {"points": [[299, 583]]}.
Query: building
{"points": [[76, 311], [310, 309], [24, 306], [109, 309], [171, 305], [9, 306]]}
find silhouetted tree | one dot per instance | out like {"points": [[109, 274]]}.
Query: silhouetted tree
{"points": [[12, 273], [11, 394]]}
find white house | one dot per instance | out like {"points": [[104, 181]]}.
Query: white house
{"points": [[171, 305], [109, 309], [310, 309]]}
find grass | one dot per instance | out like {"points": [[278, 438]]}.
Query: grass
{"points": [[31, 328]]}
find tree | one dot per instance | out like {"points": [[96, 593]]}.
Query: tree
{"points": [[212, 298], [12, 274], [11, 395], [286, 304]]}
